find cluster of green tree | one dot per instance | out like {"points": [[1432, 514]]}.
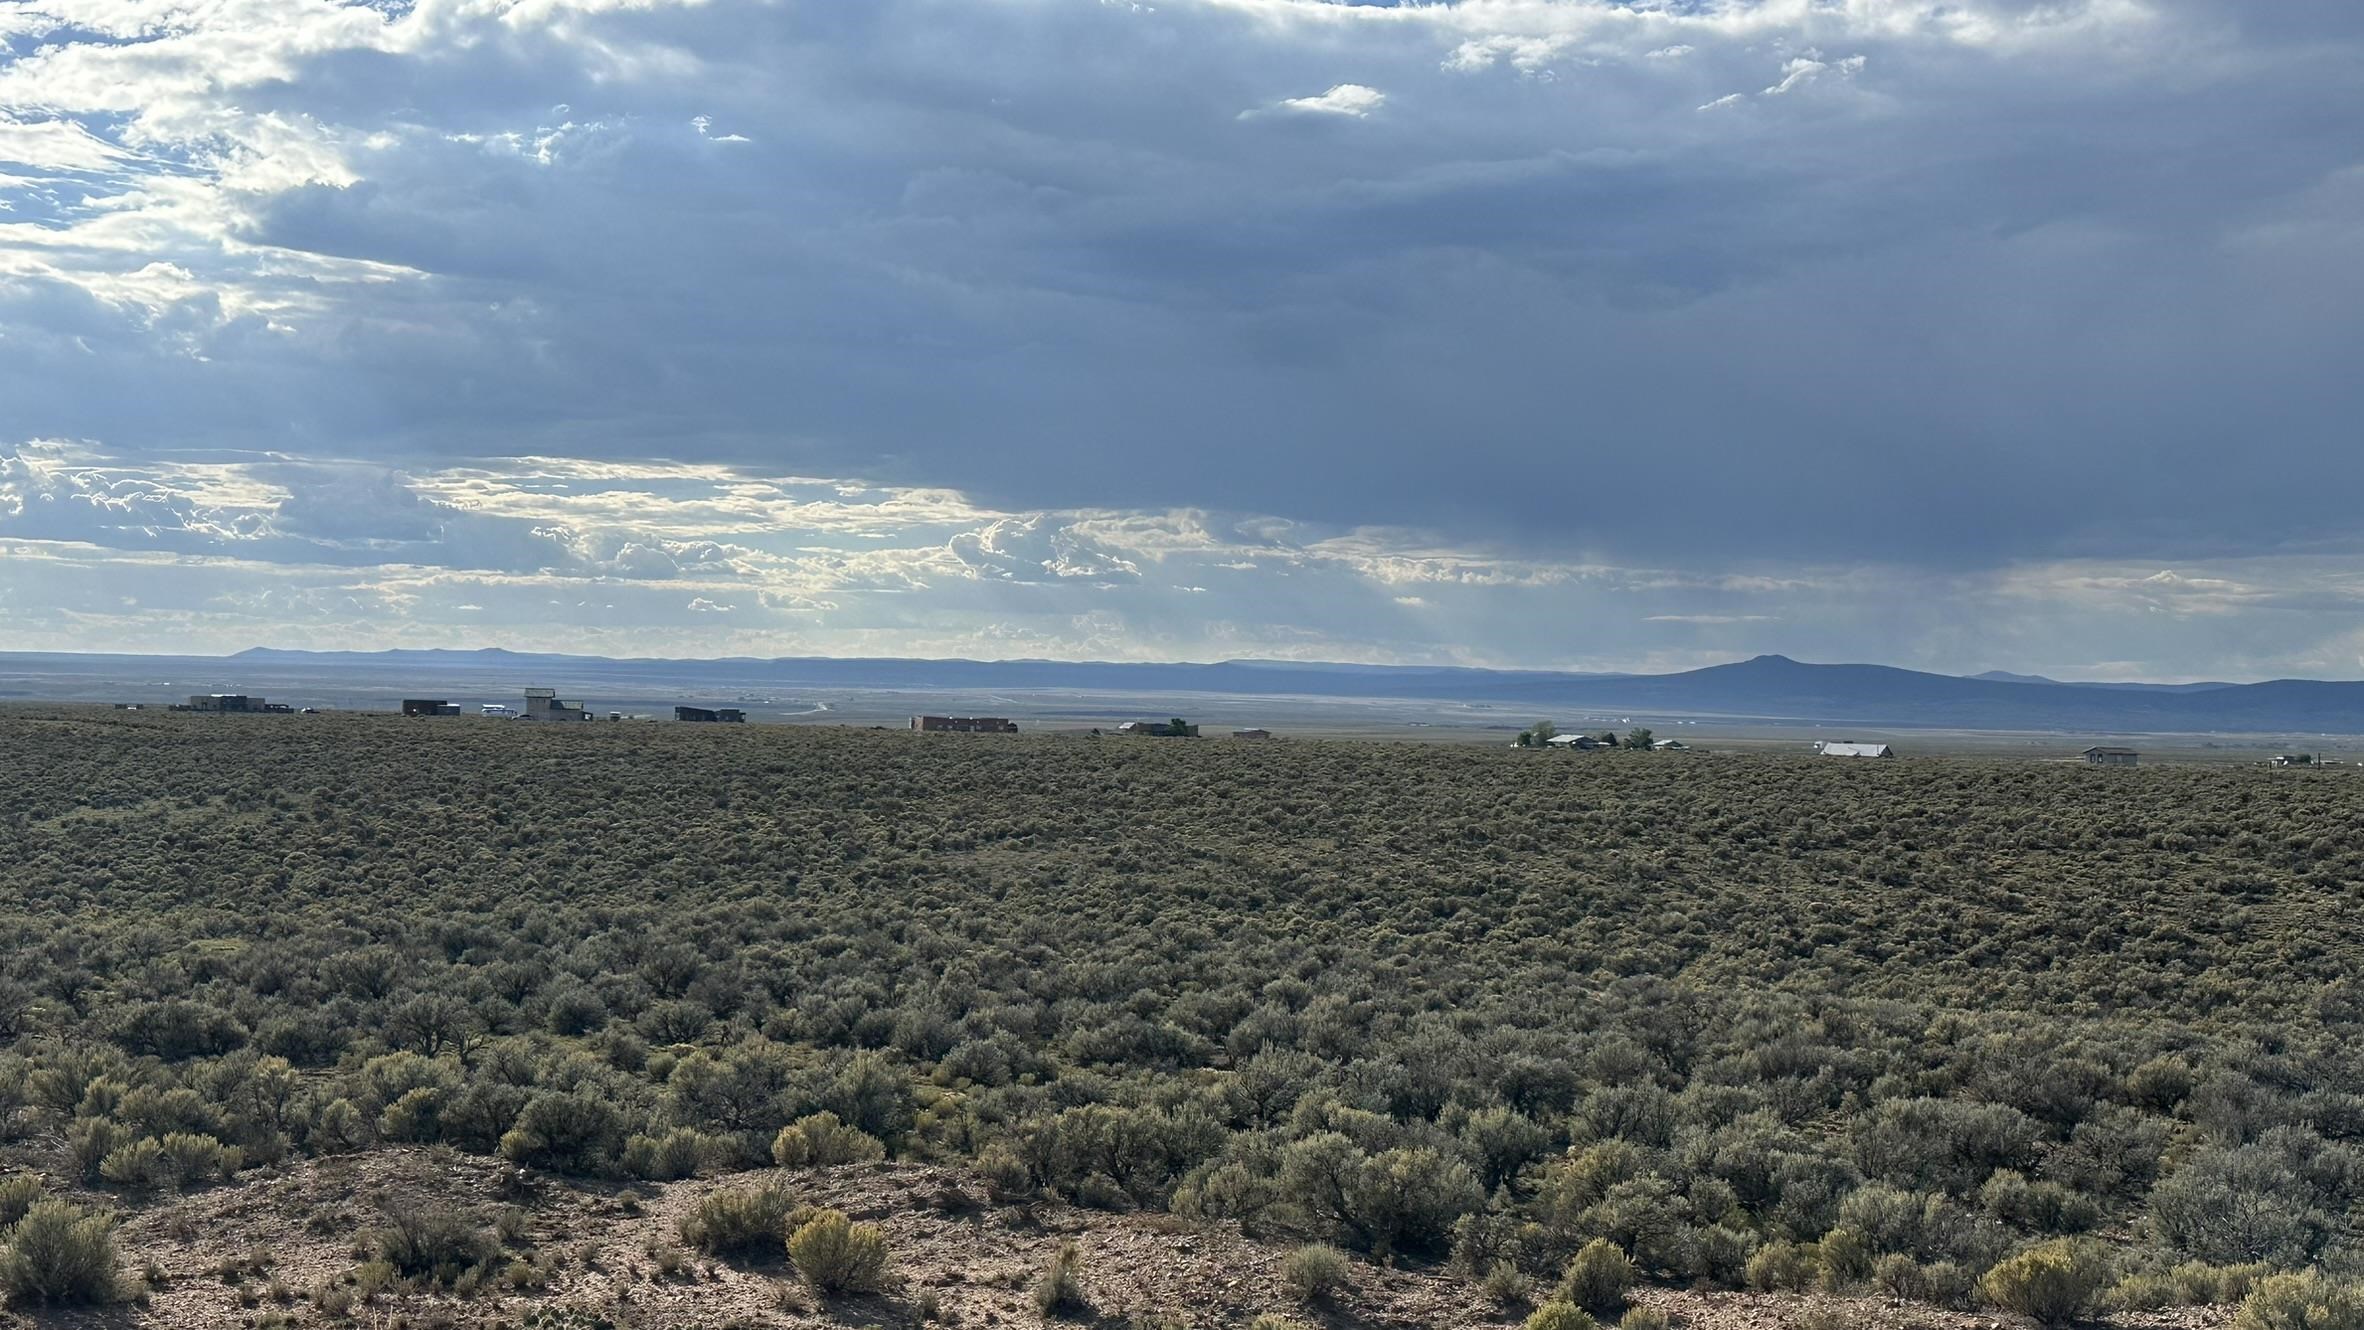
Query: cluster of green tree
{"points": [[1749, 1022]]}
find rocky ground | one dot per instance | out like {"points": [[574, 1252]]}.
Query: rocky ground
{"points": [[282, 1248]]}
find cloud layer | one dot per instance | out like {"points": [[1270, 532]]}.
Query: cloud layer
{"points": [[2020, 301], [697, 559]]}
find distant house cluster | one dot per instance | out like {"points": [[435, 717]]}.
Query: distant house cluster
{"points": [[1583, 743], [1162, 729], [1833, 748], [234, 702], [2112, 757], [710, 715], [964, 725]]}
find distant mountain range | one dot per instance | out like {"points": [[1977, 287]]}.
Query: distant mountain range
{"points": [[1767, 687]]}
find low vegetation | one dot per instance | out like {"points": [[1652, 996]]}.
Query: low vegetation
{"points": [[58, 1254], [834, 1254], [1922, 1028]]}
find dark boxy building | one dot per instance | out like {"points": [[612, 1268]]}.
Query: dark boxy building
{"points": [[724, 715], [425, 706], [545, 704]]}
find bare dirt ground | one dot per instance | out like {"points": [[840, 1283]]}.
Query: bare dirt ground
{"points": [[250, 1255]]}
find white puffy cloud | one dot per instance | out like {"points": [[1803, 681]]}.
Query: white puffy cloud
{"points": [[1351, 100]]}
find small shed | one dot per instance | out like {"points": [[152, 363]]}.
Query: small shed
{"points": [[1251, 734], [2112, 757]]}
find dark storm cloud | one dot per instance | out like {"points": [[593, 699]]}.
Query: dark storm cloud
{"points": [[1922, 286]]}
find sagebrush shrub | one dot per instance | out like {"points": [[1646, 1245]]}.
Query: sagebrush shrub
{"points": [[1598, 1277], [821, 1141], [2306, 1300], [1060, 1290], [1506, 1286], [2055, 1284], [676, 1154], [189, 1158], [137, 1164], [1314, 1273], [439, 1242], [575, 1132], [59, 1253], [833, 1254], [1845, 1259], [739, 1221], [1781, 1266], [18, 1192], [1558, 1315]]}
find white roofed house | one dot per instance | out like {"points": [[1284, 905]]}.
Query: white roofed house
{"points": [[1834, 748]]}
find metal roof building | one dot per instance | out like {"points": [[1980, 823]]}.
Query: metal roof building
{"points": [[1831, 749]]}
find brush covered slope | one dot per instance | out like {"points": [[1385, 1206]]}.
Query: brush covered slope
{"points": [[1912, 1028]]}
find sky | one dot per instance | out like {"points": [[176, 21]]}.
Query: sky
{"points": [[1958, 335]]}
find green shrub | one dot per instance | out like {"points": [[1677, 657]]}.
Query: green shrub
{"points": [[1781, 1266], [1559, 1315], [415, 1116], [1060, 1291], [1642, 1318], [2043, 1207], [1939, 1283], [821, 1141], [1506, 1286], [340, 1127], [577, 1132], [59, 1253], [1844, 1259], [2201, 1284], [833, 1254], [137, 1164], [2142, 1291], [576, 1010], [2055, 1284], [1598, 1277], [2230, 1206], [435, 1242], [676, 1154], [2307, 1300], [90, 1141], [1314, 1273], [737, 1222], [190, 1158], [1717, 1256], [18, 1191]]}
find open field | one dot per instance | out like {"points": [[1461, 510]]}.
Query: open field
{"points": [[1760, 1023]]}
